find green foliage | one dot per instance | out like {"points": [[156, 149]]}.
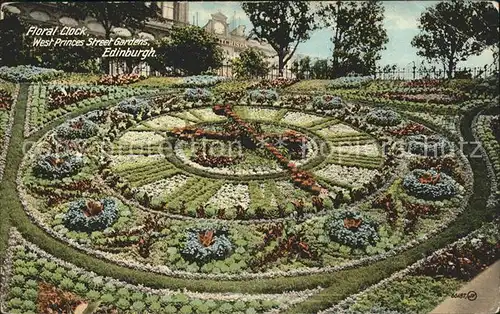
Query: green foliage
{"points": [[12, 50], [301, 67], [250, 63], [283, 24], [358, 35], [189, 49], [125, 14], [320, 69], [417, 294], [446, 35]]}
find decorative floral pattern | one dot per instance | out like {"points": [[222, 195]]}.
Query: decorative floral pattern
{"points": [[430, 184], [89, 215]]}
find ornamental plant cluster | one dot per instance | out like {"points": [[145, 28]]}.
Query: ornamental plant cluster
{"points": [[263, 95], [351, 229], [120, 79], [430, 184], [383, 117], [28, 73], [134, 106], [327, 102], [62, 96], [88, 215], [202, 81], [349, 82], [5, 100], [432, 145], [57, 166], [197, 94], [206, 243], [80, 128]]}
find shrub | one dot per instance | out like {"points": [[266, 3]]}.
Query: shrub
{"points": [[382, 117], [57, 166], [87, 215], [134, 106], [206, 243], [351, 229], [80, 128], [263, 95], [327, 102], [250, 63], [195, 94], [429, 184], [435, 145]]}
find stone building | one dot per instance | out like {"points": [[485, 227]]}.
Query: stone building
{"points": [[233, 41]]}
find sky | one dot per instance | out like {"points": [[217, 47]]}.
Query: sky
{"points": [[400, 22]]}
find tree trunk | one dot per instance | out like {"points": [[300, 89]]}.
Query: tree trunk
{"points": [[281, 64], [450, 68], [106, 61]]}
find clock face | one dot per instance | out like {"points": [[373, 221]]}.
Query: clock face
{"points": [[219, 28]]}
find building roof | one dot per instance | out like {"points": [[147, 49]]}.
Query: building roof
{"points": [[219, 16]]}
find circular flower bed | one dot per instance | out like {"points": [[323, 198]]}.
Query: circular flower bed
{"points": [[327, 102], [88, 215], [134, 106], [77, 129], [351, 229], [434, 145], [429, 184], [195, 94], [57, 167], [263, 95], [204, 244], [382, 117]]}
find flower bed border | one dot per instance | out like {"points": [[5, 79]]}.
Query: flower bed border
{"points": [[8, 132], [16, 239]]}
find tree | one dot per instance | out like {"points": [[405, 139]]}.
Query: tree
{"points": [[358, 35], [485, 26], [250, 63], [283, 24], [320, 69], [446, 34], [128, 14], [12, 50], [301, 67], [189, 49]]}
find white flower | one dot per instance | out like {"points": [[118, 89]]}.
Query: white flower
{"points": [[366, 149], [231, 195], [347, 175], [166, 122], [301, 119], [141, 138], [164, 186], [338, 129]]}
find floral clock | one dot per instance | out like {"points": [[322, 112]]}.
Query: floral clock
{"points": [[186, 185]]}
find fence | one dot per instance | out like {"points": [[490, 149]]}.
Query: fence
{"points": [[392, 73], [414, 73], [119, 67]]}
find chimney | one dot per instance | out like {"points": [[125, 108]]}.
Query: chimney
{"points": [[197, 19]]}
